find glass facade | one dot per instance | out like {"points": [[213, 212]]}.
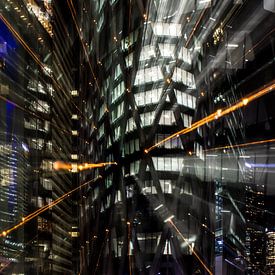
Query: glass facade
{"points": [[175, 98]]}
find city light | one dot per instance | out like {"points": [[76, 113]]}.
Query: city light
{"points": [[45, 208], [59, 165], [218, 114]]}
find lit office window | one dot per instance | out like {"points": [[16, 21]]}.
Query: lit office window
{"points": [[131, 125], [117, 72], [168, 163], [185, 99], [148, 97], [147, 52], [166, 49], [169, 144], [40, 106], [129, 40], [149, 188], [134, 167], [167, 118], [167, 29], [101, 131], [118, 196], [184, 77], [166, 186], [147, 75], [187, 120], [117, 133], [118, 91], [100, 22], [184, 55], [118, 111], [129, 60]]}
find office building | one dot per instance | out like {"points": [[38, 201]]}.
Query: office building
{"points": [[175, 98]]}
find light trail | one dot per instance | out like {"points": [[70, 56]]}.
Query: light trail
{"points": [[101, 250], [218, 114], [35, 57], [195, 28], [45, 208], [191, 248], [241, 145], [129, 247], [73, 13], [32, 113], [59, 165]]}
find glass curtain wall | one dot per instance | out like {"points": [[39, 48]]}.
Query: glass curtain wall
{"points": [[36, 80], [201, 200]]}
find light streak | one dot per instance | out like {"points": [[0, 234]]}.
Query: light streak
{"points": [[129, 247], [59, 165], [191, 248], [195, 27], [39, 211], [241, 145], [218, 114], [73, 13], [101, 250], [34, 56]]}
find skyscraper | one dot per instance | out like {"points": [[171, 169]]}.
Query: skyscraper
{"points": [[175, 98]]}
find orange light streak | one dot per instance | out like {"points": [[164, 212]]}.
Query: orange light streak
{"points": [[218, 114], [45, 208], [59, 165], [33, 55], [241, 145], [73, 13], [195, 27], [191, 248]]}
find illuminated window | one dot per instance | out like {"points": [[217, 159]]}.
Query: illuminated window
{"points": [[148, 97], [117, 133], [130, 125], [167, 29], [166, 50], [74, 93], [147, 52], [167, 118], [166, 186], [118, 91], [184, 55], [168, 163], [117, 72], [134, 167], [184, 77], [185, 99], [147, 75]]}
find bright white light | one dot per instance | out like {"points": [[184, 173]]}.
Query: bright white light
{"points": [[158, 207], [169, 218], [25, 147], [232, 45]]}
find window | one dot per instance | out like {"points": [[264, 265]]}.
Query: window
{"points": [[185, 99], [148, 75], [147, 52], [168, 163], [167, 50], [166, 29], [184, 77], [118, 91], [148, 97]]}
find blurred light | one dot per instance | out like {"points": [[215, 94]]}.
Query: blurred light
{"points": [[169, 218], [24, 146], [158, 207]]}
